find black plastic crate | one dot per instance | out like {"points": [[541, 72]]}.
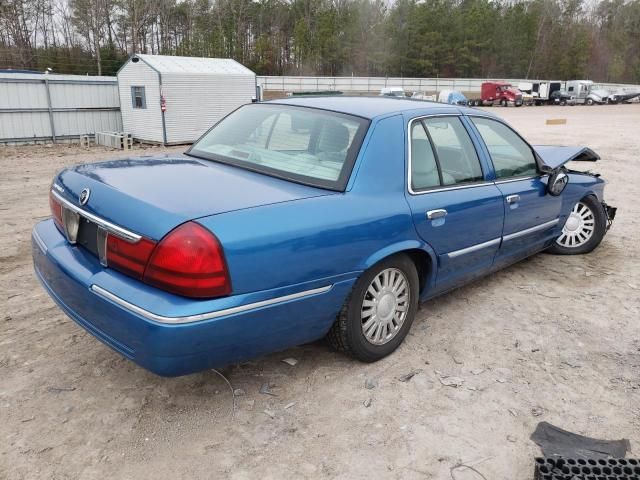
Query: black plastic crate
{"points": [[559, 468]]}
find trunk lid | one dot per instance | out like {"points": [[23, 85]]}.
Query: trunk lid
{"points": [[154, 194]]}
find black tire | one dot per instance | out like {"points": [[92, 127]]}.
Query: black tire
{"points": [[346, 334], [503, 103], [600, 228], [563, 102]]}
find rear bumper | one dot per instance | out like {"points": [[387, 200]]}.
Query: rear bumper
{"points": [[171, 335]]}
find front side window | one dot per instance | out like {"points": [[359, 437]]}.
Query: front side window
{"points": [[511, 156], [138, 97], [301, 144]]}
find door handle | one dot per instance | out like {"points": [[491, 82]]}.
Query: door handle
{"points": [[513, 199], [439, 213]]}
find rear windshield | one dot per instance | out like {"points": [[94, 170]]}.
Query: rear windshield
{"points": [[305, 145]]}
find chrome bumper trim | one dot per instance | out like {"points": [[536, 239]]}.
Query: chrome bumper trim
{"points": [[39, 241], [110, 227], [473, 248], [204, 316], [527, 231]]}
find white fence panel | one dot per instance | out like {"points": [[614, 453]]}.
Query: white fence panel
{"points": [[35, 108], [375, 84]]}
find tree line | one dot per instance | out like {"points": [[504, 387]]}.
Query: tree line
{"points": [[558, 39]]}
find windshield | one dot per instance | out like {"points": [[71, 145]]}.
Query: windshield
{"points": [[305, 145]]}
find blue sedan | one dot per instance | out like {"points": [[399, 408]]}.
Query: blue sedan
{"points": [[304, 218]]}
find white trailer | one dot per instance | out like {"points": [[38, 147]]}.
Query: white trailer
{"points": [[540, 92], [174, 100]]}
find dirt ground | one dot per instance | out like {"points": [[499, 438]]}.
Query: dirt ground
{"points": [[552, 338]]}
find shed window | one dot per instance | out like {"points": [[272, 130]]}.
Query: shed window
{"points": [[138, 99]]}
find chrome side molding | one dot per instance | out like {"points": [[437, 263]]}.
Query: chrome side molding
{"points": [[496, 241], [527, 231], [473, 248], [204, 316]]}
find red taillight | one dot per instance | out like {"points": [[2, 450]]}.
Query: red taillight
{"points": [[129, 258], [56, 211], [189, 261]]}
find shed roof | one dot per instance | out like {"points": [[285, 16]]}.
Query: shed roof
{"points": [[194, 65]]}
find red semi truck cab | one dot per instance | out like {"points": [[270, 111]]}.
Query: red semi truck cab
{"points": [[502, 93]]}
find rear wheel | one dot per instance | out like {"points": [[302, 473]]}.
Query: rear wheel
{"points": [[584, 229], [378, 313]]}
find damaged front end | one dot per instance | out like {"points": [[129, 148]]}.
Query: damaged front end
{"points": [[610, 213], [555, 158]]}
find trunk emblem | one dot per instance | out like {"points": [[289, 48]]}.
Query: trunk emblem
{"points": [[84, 196]]}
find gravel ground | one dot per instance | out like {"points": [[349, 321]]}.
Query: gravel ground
{"points": [[552, 338]]}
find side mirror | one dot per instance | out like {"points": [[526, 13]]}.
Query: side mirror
{"points": [[557, 182]]}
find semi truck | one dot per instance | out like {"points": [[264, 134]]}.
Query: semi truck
{"points": [[497, 93], [586, 93]]}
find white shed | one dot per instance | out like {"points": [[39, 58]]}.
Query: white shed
{"points": [[172, 100]]}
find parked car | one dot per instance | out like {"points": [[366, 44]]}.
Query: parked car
{"points": [[452, 97], [561, 97], [304, 218], [392, 92], [424, 96]]}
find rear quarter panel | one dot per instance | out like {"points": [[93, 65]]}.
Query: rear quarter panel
{"points": [[324, 237]]}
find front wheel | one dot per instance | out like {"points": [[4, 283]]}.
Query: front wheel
{"points": [[503, 102], [584, 229], [378, 313]]}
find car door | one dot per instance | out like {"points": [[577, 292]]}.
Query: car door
{"points": [[455, 209], [531, 215]]}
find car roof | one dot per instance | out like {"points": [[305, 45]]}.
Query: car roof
{"points": [[371, 107]]}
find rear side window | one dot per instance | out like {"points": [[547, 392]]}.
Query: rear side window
{"points": [[455, 152], [307, 145], [442, 154], [511, 156], [424, 169]]}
